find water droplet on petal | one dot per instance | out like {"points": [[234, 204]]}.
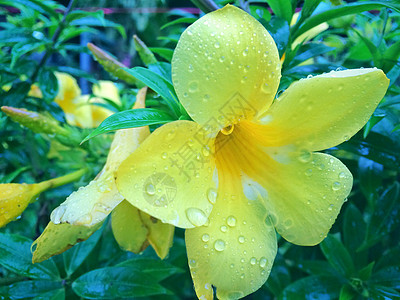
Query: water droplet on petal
{"points": [[231, 221], [304, 156], [253, 261], [196, 216], [219, 245], [150, 189], [224, 228], [263, 262], [212, 195], [336, 186], [241, 239], [193, 87], [205, 237]]}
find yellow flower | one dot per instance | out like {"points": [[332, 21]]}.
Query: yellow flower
{"points": [[247, 164], [85, 209], [79, 109]]}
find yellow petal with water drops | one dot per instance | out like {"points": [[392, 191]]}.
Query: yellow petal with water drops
{"points": [[305, 195], [128, 228], [68, 92], [91, 204], [170, 175], [14, 199], [235, 252], [160, 234], [323, 111], [225, 67], [56, 239]]}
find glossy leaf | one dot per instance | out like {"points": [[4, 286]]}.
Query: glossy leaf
{"points": [[15, 255], [32, 288], [389, 277], [165, 53], [354, 228], [93, 21], [131, 118], [337, 255], [278, 28], [343, 10], [145, 53], [179, 21], [48, 84], [158, 84], [281, 8], [116, 282]]}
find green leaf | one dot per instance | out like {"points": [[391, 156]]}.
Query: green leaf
{"points": [[165, 53], [308, 51], [31, 288], [391, 57], [370, 177], [15, 255], [282, 9], [389, 277], [338, 256], [179, 21], [158, 84], [383, 293], [279, 30], [365, 273], [52, 295], [48, 84], [375, 119], [23, 48], [79, 14], [347, 293], [343, 10], [278, 279], [354, 228], [386, 216], [145, 53], [43, 7], [116, 283], [10, 177], [317, 267], [131, 118], [313, 287], [16, 35], [16, 94], [75, 256], [93, 21], [157, 269]]}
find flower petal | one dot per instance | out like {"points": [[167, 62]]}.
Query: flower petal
{"points": [[128, 228], [169, 175], [49, 242], [323, 111], [235, 251], [225, 67], [160, 235], [302, 191], [305, 196]]}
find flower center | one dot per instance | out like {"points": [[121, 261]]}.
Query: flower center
{"points": [[228, 129]]}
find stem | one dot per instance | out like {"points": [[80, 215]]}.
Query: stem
{"points": [[54, 39], [56, 182]]}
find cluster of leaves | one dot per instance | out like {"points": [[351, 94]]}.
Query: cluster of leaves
{"points": [[359, 259]]}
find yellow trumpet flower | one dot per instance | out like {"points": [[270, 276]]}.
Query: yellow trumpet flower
{"points": [[247, 165], [85, 209]]}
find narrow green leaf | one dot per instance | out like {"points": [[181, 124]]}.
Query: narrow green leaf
{"points": [[179, 21], [165, 53], [52, 295], [308, 51], [338, 256], [354, 228], [158, 84], [347, 293], [279, 30], [10, 177], [343, 10], [131, 118], [157, 269], [15, 255], [282, 8], [375, 119], [389, 277], [317, 267], [391, 57], [116, 283]]}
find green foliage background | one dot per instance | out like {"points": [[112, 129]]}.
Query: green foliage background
{"points": [[360, 259]]}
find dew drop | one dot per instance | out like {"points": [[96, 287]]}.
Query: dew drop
{"points": [[217, 45], [196, 216], [308, 172], [241, 239], [265, 88], [263, 262], [219, 245], [304, 156], [224, 228], [191, 69], [342, 175], [253, 261], [245, 52], [222, 59], [212, 195], [231, 221], [336, 186], [205, 237], [330, 207], [164, 155]]}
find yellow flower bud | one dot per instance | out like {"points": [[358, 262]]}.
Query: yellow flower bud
{"points": [[14, 198]]}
